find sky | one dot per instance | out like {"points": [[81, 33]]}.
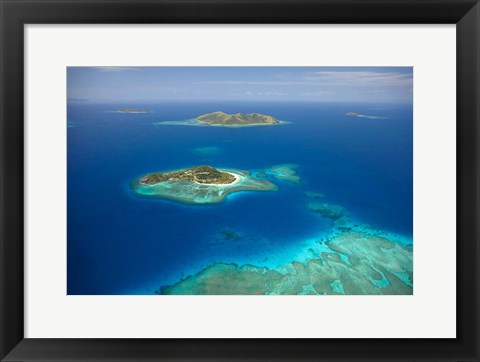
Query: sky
{"points": [[285, 84]]}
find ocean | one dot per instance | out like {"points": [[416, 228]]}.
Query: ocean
{"points": [[119, 243]]}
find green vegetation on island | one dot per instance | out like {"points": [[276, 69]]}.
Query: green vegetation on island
{"points": [[237, 119], [197, 174], [198, 185], [207, 185]]}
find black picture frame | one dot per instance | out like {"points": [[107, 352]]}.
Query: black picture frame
{"points": [[16, 13]]}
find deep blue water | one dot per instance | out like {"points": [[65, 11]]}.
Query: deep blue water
{"points": [[121, 244]]}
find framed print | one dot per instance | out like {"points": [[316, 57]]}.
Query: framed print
{"points": [[224, 218], [231, 180]]}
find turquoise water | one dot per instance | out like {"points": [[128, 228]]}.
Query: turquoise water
{"points": [[119, 243]]}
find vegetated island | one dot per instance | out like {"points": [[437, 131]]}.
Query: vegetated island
{"points": [[237, 119], [133, 110], [199, 174], [198, 185], [222, 119]]}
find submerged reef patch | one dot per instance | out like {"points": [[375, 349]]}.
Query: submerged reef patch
{"points": [[356, 264], [329, 211], [188, 122], [286, 172], [313, 195], [229, 235], [228, 279], [206, 150]]}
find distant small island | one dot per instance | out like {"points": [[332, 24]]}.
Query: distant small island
{"points": [[198, 185], [355, 114], [199, 174], [133, 110], [237, 119]]}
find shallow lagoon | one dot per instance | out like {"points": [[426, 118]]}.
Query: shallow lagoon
{"points": [[122, 244]]}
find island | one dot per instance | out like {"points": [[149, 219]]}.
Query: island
{"points": [[237, 119], [222, 119], [199, 174], [198, 185], [355, 114], [133, 110]]}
